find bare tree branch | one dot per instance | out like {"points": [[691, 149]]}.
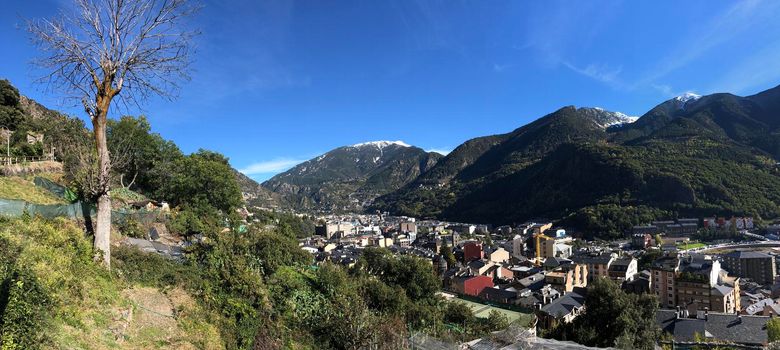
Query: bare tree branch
{"points": [[112, 46], [138, 48]]}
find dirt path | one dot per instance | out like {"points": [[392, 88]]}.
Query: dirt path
{"points": [[154, 320]]}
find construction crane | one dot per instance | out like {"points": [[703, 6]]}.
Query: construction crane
{"points": [[538, 244]]}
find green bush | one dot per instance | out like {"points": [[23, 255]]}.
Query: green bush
{"points": [[47, 279], [24, 310], [130, 227]]}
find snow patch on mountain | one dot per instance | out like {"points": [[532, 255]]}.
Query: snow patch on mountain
{"points": [[607, 119], [382, 144], [688, 96], [683, 100]]}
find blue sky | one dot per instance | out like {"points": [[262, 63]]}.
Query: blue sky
{"points": [[278, 82]]}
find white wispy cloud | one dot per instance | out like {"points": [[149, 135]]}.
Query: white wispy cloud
{"points": [[270, 166], [704, 38], [664, 89], [498, 68], [556, 35], [601, 72], [757, 71]]}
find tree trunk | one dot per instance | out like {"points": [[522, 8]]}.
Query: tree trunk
{"points": [[103, 229], [103, 224]]}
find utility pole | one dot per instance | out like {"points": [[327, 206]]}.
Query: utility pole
{"points": [[7, 133]]}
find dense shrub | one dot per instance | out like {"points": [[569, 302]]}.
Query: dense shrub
{"points": [[130, 227], [47, 278]]}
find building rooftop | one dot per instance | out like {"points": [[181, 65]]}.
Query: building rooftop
{"points": [[497, 294], [667, 263], [625, 261], [741, 329], [564, 305], [592, 259], [747, 255], [758, 307], [721, 290]]}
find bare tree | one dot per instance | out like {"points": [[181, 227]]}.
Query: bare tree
{"points": [[104, 50]]}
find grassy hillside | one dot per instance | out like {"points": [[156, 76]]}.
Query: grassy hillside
{"points": [[255, 290], [24, 189], [52, 295]]}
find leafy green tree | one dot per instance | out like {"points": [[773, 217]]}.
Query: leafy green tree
{"points": [[203, 179], [275, 251], [293, 226], [383, 298], [446, 253], [331, 279], [487, 240], [458, 314], [188, 221], [233, 284], [497, 321], [137, 151], [348, 324], [414, 275], [611, 220], [647, 258], [11, 114], [773, 329], [613, 318]]}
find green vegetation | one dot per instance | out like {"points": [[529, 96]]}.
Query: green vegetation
{"points": [[711, 234], [647, 258], [236, 288], [130, 227], [487, 311], [244, 289], [22, 116], [331, 182], [52, 295], [202, 187], [710, 160], [773, 330], [286, 224], [613, 318], [11, 114], [693, 277], [446, 252], [690, 245]]}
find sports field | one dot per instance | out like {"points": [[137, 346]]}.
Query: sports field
{"points": [[481, 310]]}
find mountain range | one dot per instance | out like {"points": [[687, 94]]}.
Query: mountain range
{"points": [[593, 169], [349, 178]]}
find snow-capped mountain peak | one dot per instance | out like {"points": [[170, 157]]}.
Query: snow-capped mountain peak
{"points": [[607, 119], [688, 96], [381, 144], [683, 100]]}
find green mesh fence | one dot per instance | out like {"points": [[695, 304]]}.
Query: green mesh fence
{"points": [[51, 186], [55, 188], [15, 208], [75, 210]]}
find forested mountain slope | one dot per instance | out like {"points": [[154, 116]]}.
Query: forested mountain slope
{"points": [[348, 178], [691, 155]]}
